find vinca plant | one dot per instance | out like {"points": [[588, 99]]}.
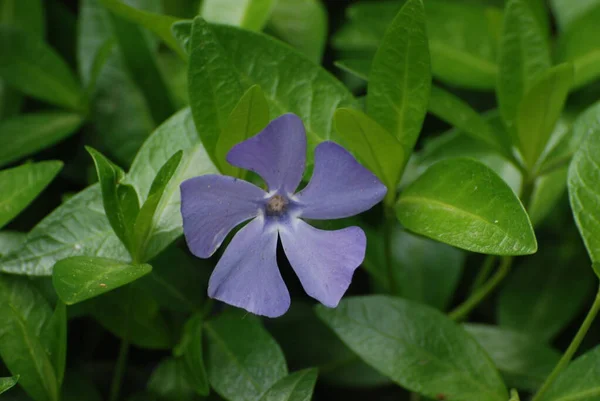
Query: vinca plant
{"points": [[294, 200]]}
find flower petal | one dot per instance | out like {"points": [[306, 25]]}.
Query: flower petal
{"points": [[277, 153], [247, 275], [324, 261], [211, 206], [340, 186]]}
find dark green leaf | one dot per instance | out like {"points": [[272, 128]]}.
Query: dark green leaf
{"points": [[248, 14], [19, 186], [6, 383], [190, 349], [463, 203], [29, 133], [79, 387], [523, 360], [417, 347], [400, 77], [242, 367], [25, 14], [303, 24], [169, 381], [80, 277], [249, 116], [524, 55], [298, 386], [31, 66], [24, 313], [580, 381], [54, 339]]}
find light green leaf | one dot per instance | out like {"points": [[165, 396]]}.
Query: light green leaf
{"points": [[190, 350], [524, 55], [31, 66], [242, 368], [584, 192], [29, 133], [249, 116], [547, 191], [81, 277], [19, 186], [298, 386], [10, 241], [568, 12], [301, 23], [416, 346], [54, 339], [248, 14], [24, 313], [463, 203], [523, 360], [580, 381], [400, 77], [540, 109], [373, 145], [6, 383]]}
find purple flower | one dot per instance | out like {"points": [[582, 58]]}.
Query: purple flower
{"points": [[247, 275]]}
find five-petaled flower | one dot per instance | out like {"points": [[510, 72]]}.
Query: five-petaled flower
{"points": [[247, 274]]}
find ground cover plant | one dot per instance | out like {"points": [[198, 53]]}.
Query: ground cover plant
{"points": [[293, 200]]}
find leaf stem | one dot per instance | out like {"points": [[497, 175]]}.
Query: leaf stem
{"points": [[462, 310], [572, 349], [484, 272], [390, 221], [115, 387]]}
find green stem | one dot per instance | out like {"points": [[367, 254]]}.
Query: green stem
{"points": [[484, 272], [462, 310], [568, 355], [115, 387], [390, 221]]}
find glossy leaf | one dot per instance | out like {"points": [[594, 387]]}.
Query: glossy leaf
{"points": [[400, 79], [81, 277], [540, 109], [584, 192], [298, 386], [579, 381], [249, 116], [242, 367], [524, 55], [417, 347], [24, 313], [6, 383], [248, 14], [31, 66], [524, 361], [463, 203], [19, 186], [375, 147], [29, 133], [190, 349], [303, 24]]}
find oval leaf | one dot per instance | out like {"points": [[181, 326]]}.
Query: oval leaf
{"points": [[464, 203], [417, 347], [298, 386]]}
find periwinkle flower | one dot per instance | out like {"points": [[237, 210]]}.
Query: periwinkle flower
{"points": [[247, 275]]}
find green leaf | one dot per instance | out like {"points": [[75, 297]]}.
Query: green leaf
{"points": [[242, 368], [540, 109], [416, 346], [579, 381], [120, 201], [523, 360], [546, 292], [10, 241], [31, 66], [548, 190], [29, 133], [24, 314], [54, 339], [169, 381], [25, 14], [303, 24], [145, 217], [248, 14], [596, 268], [463, 203], [190, 349], [6, 383], [400, 78], [80, 277], [373, 145], [524, 55], [568, 12], [584, 191], [298, 386], [19, 186], [249, 116], [358, 67]]}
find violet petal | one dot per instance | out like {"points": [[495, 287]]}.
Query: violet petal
{"points": [[324, 261], [247, 275], [211, 206], [277, 153], [340, 186]]}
